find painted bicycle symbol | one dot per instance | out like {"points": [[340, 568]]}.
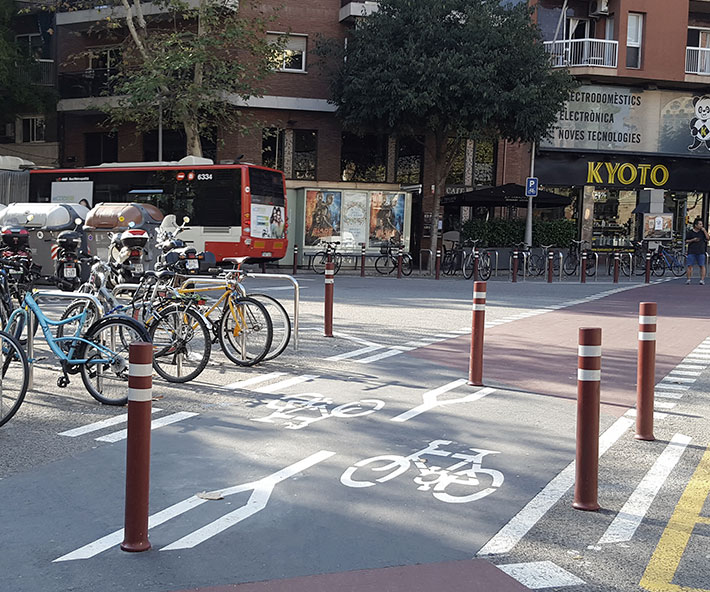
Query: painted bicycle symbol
{"points": [[459, 483], [298, 411]]}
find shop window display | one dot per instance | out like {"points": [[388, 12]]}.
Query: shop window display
{"points": [[614, 220]]}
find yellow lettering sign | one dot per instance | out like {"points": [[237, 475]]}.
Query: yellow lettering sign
{"points": [[633, 173], [643, 169], [611, 171], [593, 176], [626, 174], [654, 175]]}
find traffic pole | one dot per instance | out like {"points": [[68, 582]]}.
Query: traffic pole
{"points": [[646, 371], [140, 396], [438, 263], [399, 264], [329, 281], [514, 276], [550, 266], [583, 269], [362, 259], [475, 364], [616, 267], [295, 259], [589, 363], [648, 268]]}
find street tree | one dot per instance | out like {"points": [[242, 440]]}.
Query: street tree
{"points": [[453, 69], [190, 64]]}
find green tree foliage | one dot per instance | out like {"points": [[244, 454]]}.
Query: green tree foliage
{"points": [[508, 233], [195, 60], [454, 69]]}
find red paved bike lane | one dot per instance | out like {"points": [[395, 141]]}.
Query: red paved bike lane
{"points": [[539, 354]]}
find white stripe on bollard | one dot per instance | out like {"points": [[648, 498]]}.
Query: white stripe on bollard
{"points": [[647, 320], [478, 306], [589, 375], [140, 369], [643, 336], [140, 395], [589, 351], [329, 281], [479, 294]]}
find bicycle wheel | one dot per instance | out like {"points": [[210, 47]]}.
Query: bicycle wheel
{"points": [[536, 264], [14, 378], [677, 266], [639, 263], [181, 343], [74, 309], [337, 259], [467, 267], [406, 264], [383, 264], [245, 331], [318, 262], [105, 372], [484, 267], [570, 263], [281, 324], [658, 265], [591, 265], [625, 266]]}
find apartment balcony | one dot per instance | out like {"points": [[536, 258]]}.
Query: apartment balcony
{"points": [[42, 74], [349, 11], [697, 61], [585, 53], [85, 84], [75, 12]]}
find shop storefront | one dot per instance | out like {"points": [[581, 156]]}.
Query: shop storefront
{"points": [[634, 158]]}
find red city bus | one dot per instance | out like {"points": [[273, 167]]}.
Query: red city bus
{"points": [[235, 210]]}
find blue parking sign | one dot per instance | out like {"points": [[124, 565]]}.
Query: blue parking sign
{"points": [[531, 187]]}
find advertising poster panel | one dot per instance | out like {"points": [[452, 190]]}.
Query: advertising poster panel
{"points": [[657, 226], [386, 217], [268, 221], [354, 226], [322, 215]]}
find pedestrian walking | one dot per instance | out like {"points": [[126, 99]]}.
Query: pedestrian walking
{"points": [[697, 241]]}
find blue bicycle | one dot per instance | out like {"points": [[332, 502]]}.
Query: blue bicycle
{"points": [[664, 259], [99, 353]]}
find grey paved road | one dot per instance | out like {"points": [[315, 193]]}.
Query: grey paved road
{"points": [[289, 445]]}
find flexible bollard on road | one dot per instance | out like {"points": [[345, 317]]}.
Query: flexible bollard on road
{"points": [[616, 267], [399, 264], [583, 268], [514, 275], [438, 263], [140, 396], [475, 364], [550, 266], [362, 259], [329, 281], [589, 364], [648, 268], [295, 259], [476, 262], [646, 371]]}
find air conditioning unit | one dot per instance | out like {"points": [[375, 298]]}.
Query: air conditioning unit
{"points": [[598, 8]]}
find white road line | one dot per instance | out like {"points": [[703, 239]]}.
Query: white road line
{"points": [[633, 413], [351, 338], [430, 399], [253, 380], [386, 354], [156, 423], [541, 574], [675, 373], [278, 386], [100, 425], [357, 352], [672, 387], [691, 366], [446, 336], [664, 404], [679, 379], [509, 536], [670, 394], [630, 516]]}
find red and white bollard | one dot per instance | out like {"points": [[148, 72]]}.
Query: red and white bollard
{"points": [[295, 259], [616, 267], [647, 279], [362, 259], [646, 371], [583, 268], [476, 262], [140, 396], [550, 266], [514, 275], [329, 281], [589, 364], [438, 263], [475, 364], [399, 264]]}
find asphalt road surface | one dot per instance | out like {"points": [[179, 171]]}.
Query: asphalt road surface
{"points": [[365, 461]]}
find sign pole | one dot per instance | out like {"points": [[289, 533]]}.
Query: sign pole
{"points": [[529, 216]]}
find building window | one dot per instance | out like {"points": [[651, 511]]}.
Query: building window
{"points": [[633, 40], [293, 58], [104, 58], [363, 158], [175, 145], [457, 172], [32, 46], [100, 147], [33, 129], [272, 148], [484, 163], [410, 154], [305, 154]]}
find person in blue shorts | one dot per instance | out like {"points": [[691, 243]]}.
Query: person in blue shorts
{"points": [[697, 241]]}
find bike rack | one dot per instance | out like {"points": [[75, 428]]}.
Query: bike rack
{"points": [[430, 267], [495, 267], [31, 320], [524, 266], [631, 262], [296, 296], [596, 264], [561, 258]]}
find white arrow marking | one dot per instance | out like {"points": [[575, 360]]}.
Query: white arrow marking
{"points": [[431, 400]]}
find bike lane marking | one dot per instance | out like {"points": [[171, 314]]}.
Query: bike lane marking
{"points": [[156, 423], [262, 489], [277, 386], [431, 399], [100, 425], [665, 561], [354, 353], [513, 532], [629, 518], [254, 380]]}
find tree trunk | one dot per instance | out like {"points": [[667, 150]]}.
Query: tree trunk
{"points": [[442, 164], [192, 133]]}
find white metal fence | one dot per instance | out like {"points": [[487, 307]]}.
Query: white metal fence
{"points": [[583, 52], [697, 60]]}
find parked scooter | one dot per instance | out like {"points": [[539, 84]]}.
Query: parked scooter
{"points": [[70, 257], [176, 255], [126, 255]]}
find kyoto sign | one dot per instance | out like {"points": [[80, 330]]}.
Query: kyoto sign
{"points": [[618, 119]]}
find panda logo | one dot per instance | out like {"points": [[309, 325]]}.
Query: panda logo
{"points": [[700, 124]]}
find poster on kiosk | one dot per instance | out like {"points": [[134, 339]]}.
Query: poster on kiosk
{"points": [[657, 227]]}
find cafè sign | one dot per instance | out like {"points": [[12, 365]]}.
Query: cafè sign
{"points": [[618, 119]]}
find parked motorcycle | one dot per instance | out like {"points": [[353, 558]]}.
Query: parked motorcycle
{"points": [[70, 257], [176, 255], [126, 255]]}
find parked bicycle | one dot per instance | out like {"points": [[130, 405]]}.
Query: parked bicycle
{"points": [[329, 253], [14, 376], [469, 262], [528, 262], [665, 258], [572, 261], [388, 261]]}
